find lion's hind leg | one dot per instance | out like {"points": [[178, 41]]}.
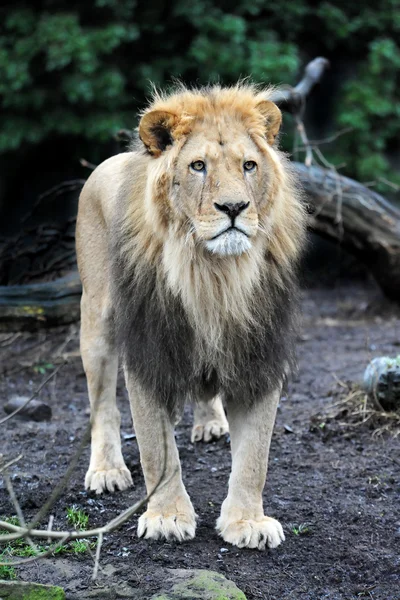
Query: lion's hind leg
{"points": [[210, 422], [107, 469]]}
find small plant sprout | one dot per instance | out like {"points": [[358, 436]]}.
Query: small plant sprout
{"points": [[81, 546], [75, 547], [375, 481], [43, 367], [20, 547], [77, 518], [302, 529]]}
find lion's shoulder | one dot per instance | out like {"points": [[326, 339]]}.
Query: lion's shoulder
{"points": [[112, 170], [102, 188]]}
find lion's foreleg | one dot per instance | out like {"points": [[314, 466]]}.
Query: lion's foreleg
{"points": [[169, 514], [242, 521]]}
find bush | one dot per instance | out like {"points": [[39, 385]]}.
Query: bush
{"points": [[83, 68]]}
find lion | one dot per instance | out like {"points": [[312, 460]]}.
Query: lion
{"points": [[188, 246]]}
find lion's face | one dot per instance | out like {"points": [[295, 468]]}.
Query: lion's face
{"points": [[219, 185], [213, 167]]}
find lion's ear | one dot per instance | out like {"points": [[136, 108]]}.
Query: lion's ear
{"points": [[273, 119], [155, 130]]}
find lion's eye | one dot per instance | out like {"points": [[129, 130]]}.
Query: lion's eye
{"points": [[249, 165], [198, 165]]}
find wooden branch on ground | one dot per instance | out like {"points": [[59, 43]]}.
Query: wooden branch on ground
{"points": [[22, 405], [359, 219], [51, 303]]}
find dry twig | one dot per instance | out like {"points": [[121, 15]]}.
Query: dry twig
{"points": [[3, 468], [355, 409], [87, 164], [24, 531]]}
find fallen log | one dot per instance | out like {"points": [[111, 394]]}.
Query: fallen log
{"points": [[359, 219], [49, 303]]}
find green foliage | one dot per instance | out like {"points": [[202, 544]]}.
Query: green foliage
{"points": [[7, 572], [43, 367], [83, 68], [21, 548], [77, 518], [76, 547], [302, 529], [371, 105]]}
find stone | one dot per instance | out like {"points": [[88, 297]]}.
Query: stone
{"points": [[36, 410], [23, 590], [199, 585], [382, 382]]}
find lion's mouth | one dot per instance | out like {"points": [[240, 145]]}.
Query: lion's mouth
{"points": [[231, 228]]}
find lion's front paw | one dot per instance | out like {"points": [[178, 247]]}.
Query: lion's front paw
{"points": [[112, 479], [178, 524], [251, 533], [209, 430]]}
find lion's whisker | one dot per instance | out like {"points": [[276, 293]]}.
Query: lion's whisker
{"points": [[189, 233], [263, 229]]}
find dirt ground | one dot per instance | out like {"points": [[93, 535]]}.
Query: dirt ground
{"points": [[341, 484]]}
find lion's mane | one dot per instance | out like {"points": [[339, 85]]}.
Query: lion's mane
{"points": [[187, 321]]}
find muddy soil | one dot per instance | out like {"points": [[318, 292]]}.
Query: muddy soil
{"points": [[340, 485]]}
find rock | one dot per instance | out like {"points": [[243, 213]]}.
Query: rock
{"points": [[23, 590], [35, 410], [199, 585], [382, 382]]}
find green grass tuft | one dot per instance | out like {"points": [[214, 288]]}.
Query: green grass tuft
{"points": [[7, 572], [77, 518], [302, 529]]}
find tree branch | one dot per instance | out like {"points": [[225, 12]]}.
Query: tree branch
{"points": [[292, 99]]}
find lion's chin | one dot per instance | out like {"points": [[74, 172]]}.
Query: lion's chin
{"points": [[229, 243]]}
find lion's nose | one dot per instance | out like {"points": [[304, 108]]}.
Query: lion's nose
{"points": [[231, 209]]}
